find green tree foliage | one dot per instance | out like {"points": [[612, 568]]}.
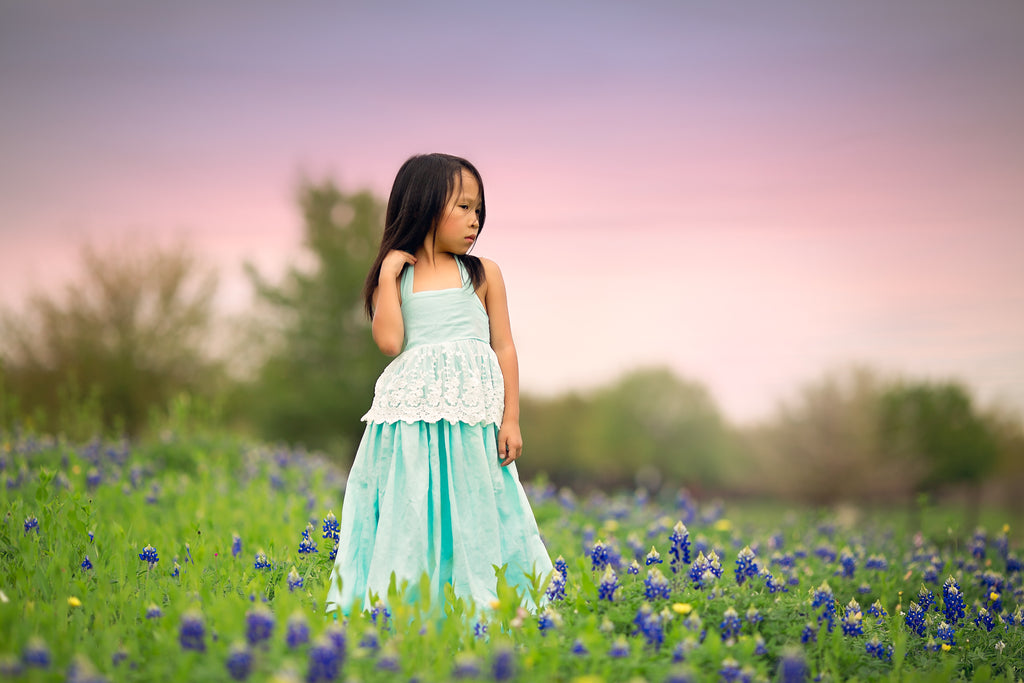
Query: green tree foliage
{"points": [[937, 425], [319, 362], [649, 426], [122, 339]]}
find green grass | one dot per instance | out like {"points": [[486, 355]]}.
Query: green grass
{"points": [[187, 496]]}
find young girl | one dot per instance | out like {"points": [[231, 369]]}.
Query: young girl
{"points": [[434, 488]]}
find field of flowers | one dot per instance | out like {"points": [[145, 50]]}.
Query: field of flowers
{"points": [[201, 558]]}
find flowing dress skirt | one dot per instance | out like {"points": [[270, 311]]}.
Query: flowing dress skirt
{"points": [[432, 497]]}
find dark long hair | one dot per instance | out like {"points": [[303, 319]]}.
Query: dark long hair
{"points": [[418, 197]]}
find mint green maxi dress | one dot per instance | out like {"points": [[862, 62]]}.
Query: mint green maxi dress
{"points": [[427, 492]]}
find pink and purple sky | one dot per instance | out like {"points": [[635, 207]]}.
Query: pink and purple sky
{"points": [[748, 192]]}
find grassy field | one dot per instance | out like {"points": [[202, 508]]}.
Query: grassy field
{"points": [[203, 558]]}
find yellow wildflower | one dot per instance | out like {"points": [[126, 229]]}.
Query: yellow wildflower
{"points": [[74, 602], [683, 608]]}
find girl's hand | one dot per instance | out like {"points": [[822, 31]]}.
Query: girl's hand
{"points": [[510, 442], [393, 263]]}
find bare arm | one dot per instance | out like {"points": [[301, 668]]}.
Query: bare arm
{"points": [[510, 439], [388, 327]]}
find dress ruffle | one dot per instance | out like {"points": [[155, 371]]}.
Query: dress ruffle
{"points": [[456, 381]]}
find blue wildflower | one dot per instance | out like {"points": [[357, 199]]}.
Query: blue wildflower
{"points": [[754, 616], [93, 478], [772, 584], [388, 660], [480, 629], [236, 545], [680, 550], [239, 661], [549, 619], [297, 632], [599, 558], [793, 667], [730, 670], [370, 640], [324, 661], [556, 587], [153, 612], [336, 636], [86, 564], [176, 572], [633, 568], [380, 610], [978, 543], [760, 646], [983, 619], [914, 619], [714, 564], [746, 565], [261, 561], [853, 620], [331, 528], [653, 557], [809, 634], [731, 624], [466, 666], [649, 624], [503, 664], [579, 648], [656, 585], [119, 655], [561, 566], [149, 555], [876, 649], [259, 625], [635, 545], [952, 601], [876, 563], [609, 585], [294, 580], [307, 545], [700, 572], [824, 598], [848, 563], [36, 653], [619, 649], [925, 598], [192, 633], [946, 633]]}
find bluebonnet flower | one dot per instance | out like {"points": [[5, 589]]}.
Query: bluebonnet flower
{"points": [[701, 572], [294, 580], [653, 557], [466, 666], [656, 585], [370, 640], [876, 610], [153, 612], [561, 566], [633, 568], [239, 661], [261, 561], [297, 632], [730, 670], [876, 563], [31, 523], [36, 653], [826, 552], [978, 544], [947, 633], [598, 556], [731, 624], [619, 649], [983, 619], [609, 585], [931, 573], [746, 565], [680, 550], [324, 661], [579, 648], [853, 620], [926, 599], [914, 619], [153, 497], [480, 629], [93, 478], [380, 610], [637, 548], [236, 545], [793, 667], [259, 625], [952, 601], [192, 633], [649, 624], [848, 563], [336, 637], [771, 583], [760, 647], [548, 619], [91, 536], [331, 528], [556, 587], [307, 545], [824, 598], [149, 555], [683, 648], [86, 564], [503, 664], [176, 572], [388, 660], [714, 564], [754, 616]]}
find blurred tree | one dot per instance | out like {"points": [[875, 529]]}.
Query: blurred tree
{"points": [[824, 446], [318, 361], [124, 338], [936, 424]]}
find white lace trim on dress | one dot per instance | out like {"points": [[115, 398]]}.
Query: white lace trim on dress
{"points": [[457, 381]]}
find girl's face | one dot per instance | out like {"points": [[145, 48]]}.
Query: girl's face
{"points": [[457, 230]]}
